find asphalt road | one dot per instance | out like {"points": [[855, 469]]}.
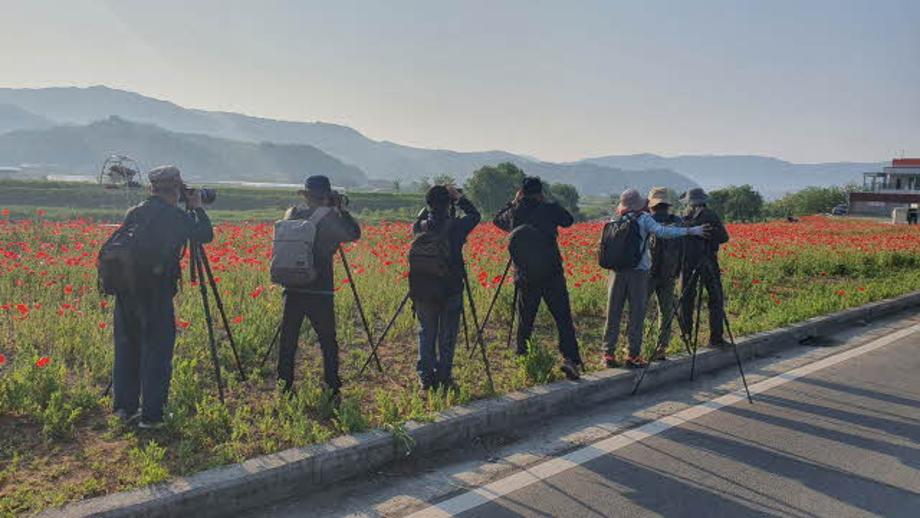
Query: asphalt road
{"points": [[833, 432]]}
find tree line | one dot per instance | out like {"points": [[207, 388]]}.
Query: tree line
{"points": [[491, 187]]}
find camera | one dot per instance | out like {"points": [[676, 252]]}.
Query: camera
{"points": [[338, 199], [208, 196]]}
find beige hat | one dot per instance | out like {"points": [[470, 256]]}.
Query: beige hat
{"points": [[164, 175], [658, 196], [631, 201]]}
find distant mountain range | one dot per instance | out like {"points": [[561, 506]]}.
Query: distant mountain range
{"points": [[82, 148], [43, 109]]}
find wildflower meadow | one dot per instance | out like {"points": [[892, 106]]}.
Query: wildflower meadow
{"points": [[58, 442]]}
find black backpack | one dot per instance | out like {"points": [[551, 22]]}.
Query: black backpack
{"points": [[533, 253], [429, 265], [127, 258], [621, 246], [666, 253]]}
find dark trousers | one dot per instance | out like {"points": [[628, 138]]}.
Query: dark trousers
{"points": [[554, 292], [711, 280], [321, 311], [145, 335], [437, 338]]}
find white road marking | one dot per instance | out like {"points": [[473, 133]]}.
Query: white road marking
{"points": [[484, 494]]}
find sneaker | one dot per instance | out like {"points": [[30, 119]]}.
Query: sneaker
{"points": [[571, 370], [719, 343], [150, 425], [610, 361], [635, 362], [127, 417]]}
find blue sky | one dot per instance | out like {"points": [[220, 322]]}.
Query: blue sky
{"points": [[807, 80]]}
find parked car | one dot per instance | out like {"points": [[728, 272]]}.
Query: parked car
{"points": [[840, 210]]}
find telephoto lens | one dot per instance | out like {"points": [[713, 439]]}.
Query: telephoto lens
{"points": [[208, 196]]}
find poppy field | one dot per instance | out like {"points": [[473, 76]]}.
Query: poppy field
{"points": [[59, 443]]}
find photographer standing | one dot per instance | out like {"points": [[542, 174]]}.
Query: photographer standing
{"points": [[702, 253], [437, 293], [334, 226], [145, 324], [534, 222]]}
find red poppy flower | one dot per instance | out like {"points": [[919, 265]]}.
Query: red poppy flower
{"points": [[23, 310], [68, 289], [257, 292], [43, 362], [2, 359], [238, 319], [182, 324], [103, 325]]}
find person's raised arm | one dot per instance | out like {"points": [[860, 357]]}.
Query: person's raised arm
{"points": [[561, 216], [471, 216], [504, 219]]}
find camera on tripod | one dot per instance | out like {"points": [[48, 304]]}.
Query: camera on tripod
{"points": [[208, 196], [338, 199]]}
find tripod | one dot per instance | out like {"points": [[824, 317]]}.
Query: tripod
{"points": [[689, 331], [358, 305], [200, 270]]}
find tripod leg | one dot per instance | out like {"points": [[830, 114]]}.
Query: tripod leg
{"points": [[383, 335], [466, 329], [498, 291], [676, 308], [219, 302], [479, 340], [361, 313], [271, 345], [695, 325], [210, 323], [514, 302], [737, 357]]}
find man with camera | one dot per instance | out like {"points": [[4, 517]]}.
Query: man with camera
{"points": [[702, 256], [145, 324], [533, 222], [314, 299], [436, 277]]}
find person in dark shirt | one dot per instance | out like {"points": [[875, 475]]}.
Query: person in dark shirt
{"points": [[530, 207], [703, 253], [316, 300], [145, 327], [667, 256], [439, 317]]}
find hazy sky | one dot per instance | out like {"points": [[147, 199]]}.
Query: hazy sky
{"points": [[805, 80]]}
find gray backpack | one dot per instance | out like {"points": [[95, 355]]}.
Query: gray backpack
{"points": [[292, 263]]}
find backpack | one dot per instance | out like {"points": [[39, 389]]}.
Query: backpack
{"points": [[666, 253], [127, 257], [429, 265], [292, 262], [621, 245], [533, 253]]}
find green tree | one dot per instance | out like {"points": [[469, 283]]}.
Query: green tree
{"points": [[491, 187], [567, 196], [737, 203], [423, 184], [810, 200]]}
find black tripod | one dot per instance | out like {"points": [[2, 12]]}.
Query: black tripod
{"points": [[200, 271], [358, 305], [689, 331]]}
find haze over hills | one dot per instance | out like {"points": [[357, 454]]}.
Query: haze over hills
{"points": [[770, 176], [37, 108], [379, 159], [81, 149]]}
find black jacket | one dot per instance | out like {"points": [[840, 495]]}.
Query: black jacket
{"points": [[333, 230], [460, 228], [698, 247], [170, 228], [545, 215]]}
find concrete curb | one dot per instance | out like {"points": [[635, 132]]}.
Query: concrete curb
{"points": [[269, 478]]}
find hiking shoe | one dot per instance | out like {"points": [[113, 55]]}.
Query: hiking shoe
{"points": [[450, 386], [719, 343], [127, 417], [660, 356], [150, 425], [571, 370], [611, 361], [635, 362]]}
